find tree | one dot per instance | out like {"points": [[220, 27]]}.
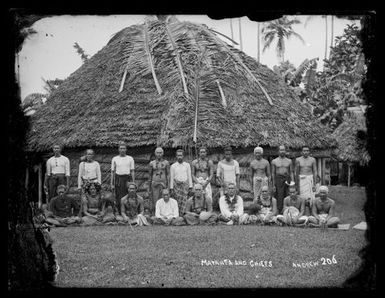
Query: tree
{"points": [[279, 30]]}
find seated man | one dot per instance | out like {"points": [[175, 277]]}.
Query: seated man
{"points": [[293, 209], [323, 210], [267, 208], [167, 211], [132, 208], [92, 204], [61, 209], [231, 206], [199, 209]]}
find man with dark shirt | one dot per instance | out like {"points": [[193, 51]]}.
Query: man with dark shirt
{"points": [[61, 209]]}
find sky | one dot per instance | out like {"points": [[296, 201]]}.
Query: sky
{"points": [[50, 54]]}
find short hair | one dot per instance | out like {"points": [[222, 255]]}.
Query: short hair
{"points": [[179, 150], [230, 183], [324, 188], [292, 186], [60, 146], [279, 147], [264, 187], [165, 189], [132, 183], [305, 146], [122, 144], [61, 186], [159, 149], [197, 185], [228, 149], [90, 149], [202, 148]]}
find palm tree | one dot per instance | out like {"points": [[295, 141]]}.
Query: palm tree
{"points": [[326, 31], [280, 29]]}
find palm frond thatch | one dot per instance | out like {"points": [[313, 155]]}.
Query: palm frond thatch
{"points": [[87, 109]]}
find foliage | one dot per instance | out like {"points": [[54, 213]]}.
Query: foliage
{"points": [[51, 85], [279, 30], [81, 52]]}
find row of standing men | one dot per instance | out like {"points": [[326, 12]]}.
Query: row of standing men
{"points": [[180, 177]]}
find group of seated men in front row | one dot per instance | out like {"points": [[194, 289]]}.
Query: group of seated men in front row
{"points": [[177, 201]]}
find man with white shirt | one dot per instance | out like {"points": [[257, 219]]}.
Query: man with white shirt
{"points": [[57, 173], [167, 211], [89, 170], [231, 206], [180, 180], [122, 171], [228, 171]]}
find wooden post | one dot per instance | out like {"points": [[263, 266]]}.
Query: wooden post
{"points": [[319, 170], [40, 185], [323, 171], [348, 174]]}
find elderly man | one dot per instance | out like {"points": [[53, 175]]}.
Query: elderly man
{"points": [[159, 177], [132, 208], [203, 171], [57, 173], [267, 208], [61, 211], [259, 172], [323, 210], [306, 171], [122, 171], [293, 209], [199, 209], [180, 181], [228, 172], [231, 207], [282, 175], [166, 211]]}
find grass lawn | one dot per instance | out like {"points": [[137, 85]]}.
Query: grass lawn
{"points": [[116, 256]]}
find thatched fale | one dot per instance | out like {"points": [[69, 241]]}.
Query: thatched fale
{"points": [[165, 83], [351, 139]]}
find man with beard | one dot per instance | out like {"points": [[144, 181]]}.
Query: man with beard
{"points": [[231, 207], [122, 171], [180, 181], [159, 176], [57, 173], [203, 171], [199, 209], [282, 175], [132, 208], [61, 209], [259, 172]]}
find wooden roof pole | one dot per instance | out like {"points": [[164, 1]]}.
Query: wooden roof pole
{"points": [[238, 59], [149, 58], [178, 60]]}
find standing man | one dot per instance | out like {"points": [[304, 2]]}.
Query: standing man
{"points": [[259, 172], [282, 175], [180, 181], [306, 172], [228, 172], [203, 171], [58, 172], [122, 171], [159, 176], [89, 170]]}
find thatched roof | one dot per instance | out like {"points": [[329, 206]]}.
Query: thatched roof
{"points": [[233, 90], [351, 139]]}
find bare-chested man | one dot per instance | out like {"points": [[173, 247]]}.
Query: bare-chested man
{"points": [[306, 171], [202, 172], [293, 209], [323, 210], [259, 172], [159, 177], [282, 175]]}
